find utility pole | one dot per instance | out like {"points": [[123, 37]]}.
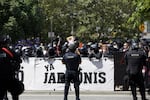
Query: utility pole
{"points": [[72, 15]]}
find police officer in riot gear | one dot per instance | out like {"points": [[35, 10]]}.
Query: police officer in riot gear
{"points": [[9, 65], [72, 61], [135, 60]]}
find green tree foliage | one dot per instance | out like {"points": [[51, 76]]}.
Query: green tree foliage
{"points": [[4, 13], [85, 16], [20, 18], [88, 19], [141, 12]]}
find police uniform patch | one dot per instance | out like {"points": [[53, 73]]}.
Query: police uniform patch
{"points": [[70, 57], [135, 55]]}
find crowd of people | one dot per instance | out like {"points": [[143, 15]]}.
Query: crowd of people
{"points": [[56, 48], [97, 50]]}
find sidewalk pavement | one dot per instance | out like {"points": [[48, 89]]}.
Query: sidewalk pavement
{"points": [[47, 92]]}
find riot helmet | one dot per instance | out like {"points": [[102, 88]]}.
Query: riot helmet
{"points": [[72, 47], [135, 46], [4, 39]]}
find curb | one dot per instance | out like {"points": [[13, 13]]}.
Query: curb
{"points": [[47, 92]]}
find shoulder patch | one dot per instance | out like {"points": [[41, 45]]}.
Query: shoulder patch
{"points": [[135, 55]]}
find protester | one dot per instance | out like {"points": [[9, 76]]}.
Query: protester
{"points": [[72, 61], [125, 47], [93, 51], [123, 50]]}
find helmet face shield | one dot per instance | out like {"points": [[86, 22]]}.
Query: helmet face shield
{"points": [[5, 39], [135, 45]]}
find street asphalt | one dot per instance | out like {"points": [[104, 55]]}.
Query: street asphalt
{"points": [[84, 95]]}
